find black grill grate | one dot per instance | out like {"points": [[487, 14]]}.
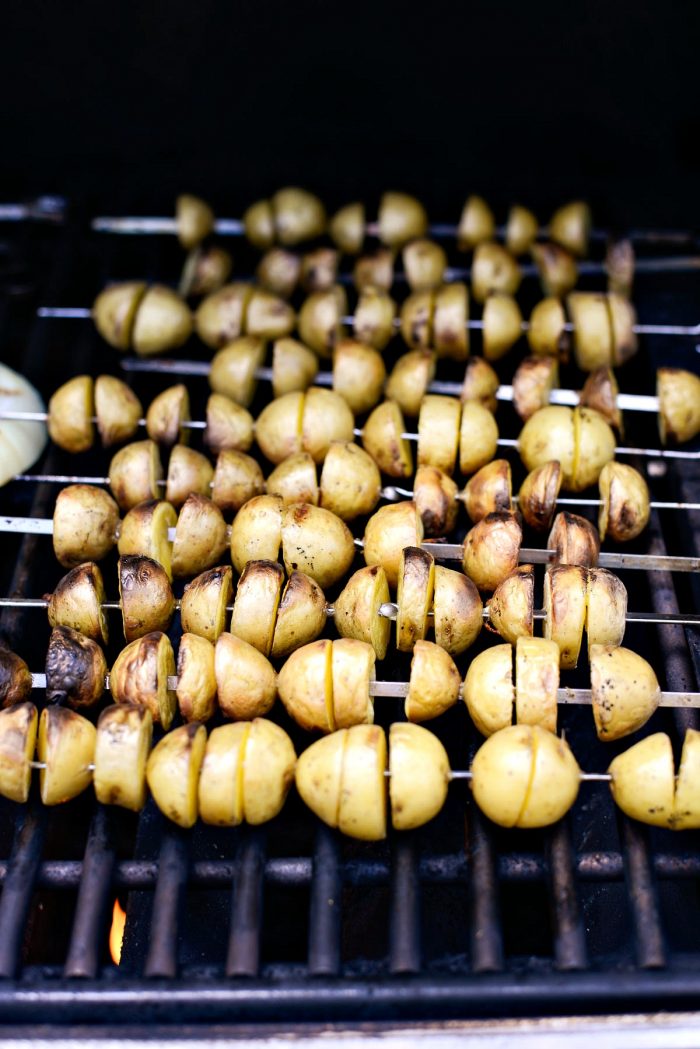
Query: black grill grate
{"points": [[292, 922]]}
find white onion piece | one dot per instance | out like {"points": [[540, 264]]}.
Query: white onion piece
{"points": [[21, 443]]}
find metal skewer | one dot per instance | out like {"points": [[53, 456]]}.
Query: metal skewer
{"points": [[43, 209]]}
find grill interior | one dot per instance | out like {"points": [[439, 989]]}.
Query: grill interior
{"points": [[291, 920]]}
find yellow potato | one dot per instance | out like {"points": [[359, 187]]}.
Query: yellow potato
{"points": [[166, 414], [77, 602], [305, 686], [409, 380], [374, 316], [357, 608], [565, 607], [85, 522], [438, 432], [66, 747], [237, 478], [417, 319], [268, 771], [492, 548], [594, 447], [548, 435], [316, 542], [221, 777], [195, 220], [117, 408], [373, 271], [686, 804], [358, 375], [388, 532], [70, 413], [145, 530], [503, 325], [574, 540], [493, 270], [363, 787], [299, 215], [256, 533], [424, 263], [489, 490], [488, 689], [122, 747], [600, 391], [435, 496], [134, 473], [382, 439], [145, 595], [458, 612], [347, 228], [268, 316], [205, 270], [350, 481], [259, 224], [188, 471], [246, 682], [320, 320], [173, 773], [420, 776], [625, 510], [414, 596], [643, 783], [352, 672], [606, 608], [294, 367], [476, 223], [163, 322], [570, 226], [502, 771], [229, 426], [18, 730], [533, 383], [555, 781], [204, 603], [537, 498], [301, 615], [521, 229], [546, 334], [318, 776], [114, 311], [294, 480], [196, 679], [201, 536], [624, 689], [255, 606], [593, 338], [15, 678], [278, 427], [556, 267], [451, 313], [434, 683], [511, 608], [140, 676], [679, 404], [478, 436], [401, 218], [220, 318], [536, 682], [623, 319], [326, 418]]}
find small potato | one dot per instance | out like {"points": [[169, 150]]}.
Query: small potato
{"points": [[318, 776], [134, 473], [114, 312], [555, 781], [145, 531], [325, 418], [414, 596], [494, 270], [450, 317], [679, 404], [533, 383], [188, 471], [305, 685], [18, 731], [363, 788], [221, 779], [417, 319], [278, 427], [476, 223], [163, 322], [205, 601], [145, 595], [458, 613], [438, 432], [278, 271], [565, 606], [77, 602], [491, 549], [206, 269], [220, 317], [140, 676], [246, 682], [686, 814], [85, 523], [201, 536], [546, 334], [375, 313], [619, 266], [420, 776], [574, 540], [352, 672], [233, 368], [401, 218], [595, 446], [478, 436], [294, 366], [195, 220], [593, 339], [480, 384], [625, 509], [606, 608], [122, 747], [347, 228], [537, 498], [69, 419], [294, 480], [624, 690], [255, 606], [600, 391], [382, 437], [557, 269], [301, 615], [536, 682], [268, 316], [388, 532], [434, 682], [424, 263], [350, 482], [374, 271], [503, 325], [570, 226], [173, 770], [66, 747], [547, 435], [75, 669], [643, 782], [488, 689], [299, 215], [358, 375], [623, 319], [511, 608], [256, 533], [357, 608], [521, 230], [320, 319], [237, 478], [316, 542], [118, 410], [489, 490], [166, 416], [409, 380], [15, 678], [229, 426], [268, 771], [196, 679], [259, 224], [435, 496]]}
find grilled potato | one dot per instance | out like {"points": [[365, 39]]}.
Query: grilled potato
{"points": [[145, 532], [75, 668], [388, 531], [382, 438], [294, 366], [435, 496], [228, 425], [488, 689], [233, 368], [521, 230], [145, 595], [140, 676], [134, 473], [624, 689], [319, 321], [305, 685], [69, 419], [511, 608], [357, 608], [491, 549], [205, 601], [167, 415], [503, 325], [358, 375], [424, 263], [268, 771], [237, 478], [350, 482], [77, 602], [66, 748], [679, 404], [478, 436], [195, 220], [570, 226], [201, 536], [643, 782], [221, 779], [600, 391], [299, 215], [420, 776], [114, 312], [122, 747], [434, 682], [557, 269], [537, 498], [533, 383], [414, 596], [352, 672], [450, 317], [256, 533], [316, 542], [15, 678], [172, 772], [438, 432], [188, 471], [546, 334], [18, 732], [574, 540], [206, 269], [347, 228], [476, 223], [255, 605], [118, 410], [401, 218], [480, 384], [489, 490], [301, 615], [458, 611], [417, 319], [536, 682], [196, 679], [409, 380], [245, 680], [294, 480], [85, 523], [565, 606], [374, 316], [163, 322]]}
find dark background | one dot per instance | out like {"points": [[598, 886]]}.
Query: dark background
{"points": [[133, 102]]}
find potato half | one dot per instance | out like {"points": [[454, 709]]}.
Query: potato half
{"points": [[122, 747], [363, 787], [625, 508], [205, 601], [145, 595], [537, 498], [301, 615], [679, 404], [492, 548], [85, 522], [512, 605], [75, 668], [434, 684], [536, 682], [458, 610], [18, 731], [382, 438], [565, 605], [643, 783], [173, 773], [624, 689], [388, 532], [305, 686], [414, 596], [316, 542], [489, 490], [268, 771], [255, 606], [246, 682], [140, 676], [221, 777], [66, 747], [77, 602], [196, 678], [420, 775], [488, 689], [357, 608]]}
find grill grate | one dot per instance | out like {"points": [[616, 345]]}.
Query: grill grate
{"points": [[291, 921]]}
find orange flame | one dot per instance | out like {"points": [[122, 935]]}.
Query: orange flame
{"points": [[116, 933]]}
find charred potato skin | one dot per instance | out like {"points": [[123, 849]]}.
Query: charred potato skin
{"points": [[489, 490], [357, 608], [625, 509], [140, 676], [134, 473], [75, 669], [458, 610], [85, 525], [122, 746], [301, 615], [77, 602], [537, 499], [511, 608], [196, 678], [435, 496], [15, 678], [146, 596], [574, 540]]}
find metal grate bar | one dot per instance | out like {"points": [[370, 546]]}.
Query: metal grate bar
{"points": [[404, 923], [246, 915], [19, 886], [486, 936], [93, 898], [172, 877], [569, 938], [325, 908], [642, 895]]}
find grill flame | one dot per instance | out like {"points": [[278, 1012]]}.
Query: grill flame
{"points": [[116, 933]]}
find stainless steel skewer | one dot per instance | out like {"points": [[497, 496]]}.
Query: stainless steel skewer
{"points": [[42, 209]]}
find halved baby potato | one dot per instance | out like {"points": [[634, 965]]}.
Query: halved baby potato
{"points": [[434, 683], [66, 748], [624, 689], [196, 678], [140, 676], [420, 775], [122, 747], [173, 772]]}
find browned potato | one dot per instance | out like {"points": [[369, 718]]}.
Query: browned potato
{"points": [[166, 415], [503, 325], [114, 312], [625, 510], [66, 748], [195, 220], [388, 531], [350, 482], [478, 437], [537, 499], [374, 270], [85, 523], [679, 404], [417, 319], [420, 775], [624, 690], [450, 316], [491, 549], [347, 228], [259, 224], [117, 408], [570, 226], [401, 218], [268, 316], [489, 490], [294, 366], [69, 419], [206, 269], [606, 608], [521, 230], [256, 532], [18, 730], [320, 319], [122, 746], [534, 379], [145, 595], [352, 672], [435, 496], [557, 269], [358, 375], [196, 680], [546, 334], [305, 685], [488, 689], [565, 606], [188, 471], [233, 368], [480, 384], [316, 542], [382, 437], [294, 480], [255, 605], [574, 540], [511, 609], [458, 612], [623, 319], [410, 378], [438, 432], [375, 313], [600, 391], [414, 596], [145, 532], [77, 602], [424, 263], [205, 602], [494, 269], [141, 673], [228, 425], [319, 269], [172, 772], [15, 678], [245, 680], [134, 473], [536, 682], [299, 215], [201, 536], [326, 417], [163, 322], [221, 316], [434, 682], [301, 615], [476, 223], [356, 609], [593, 338], [75, 668]]}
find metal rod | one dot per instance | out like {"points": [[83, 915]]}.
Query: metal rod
{"points": [[42, 209]]}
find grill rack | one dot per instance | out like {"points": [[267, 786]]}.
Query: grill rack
{"points": [[244, 979]]}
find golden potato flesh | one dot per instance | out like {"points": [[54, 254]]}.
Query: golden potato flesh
{"points": [[278, 427], [221, 316], [555, 781], [246, 682], [388, 532], [434, 683], [357, 608], [117, 408], [66, 747], [301, 615], [70, 414], [600, 391], [229, 426], [256, 533], [503, 325], [163, 322], [537, 498], [319, 322], [548, 435], [255, 606], [491, 549], [196, 678], [15, 678], [122, 747], [493, 270], [188, 471], [294, 480], [233, 369], [114, 311], [195, 220], [450, 317], [623, 319], [259, 224], [237, 478], [352, 672], [570, 226], [350, 481], [511, 608], [201, 536], [145, 595], [686, 804], [374, 271], [424, 263], [410, 377], [145, 532], [488, 689], [268, 771], [77, 602], [478, 436], [205, 270], [556, 267], [546, 334], [268, 316], [438, 432], [435, 496], [624, 690], [417, 319], [363, 787], [458, 610], [305, 686], [401, 218], [358, 375], [420, 775], [18, 731], [565, 607], [204, 603], [299, 215], [476, 223], [382, 438], [294, 367], [643, 782], [75, 668], [318, 775], [625, 509], [536, 682], [85, 522], [595, 446], [533, 382], [316, 542], [593, 339], [140, 676], [134, 473], [679, 404], [414, 596], [374, 318], [221, 776], [173, 773], [574, 540], [489, 490], [325, 418], [166, 415], [347, 228], [521, 230]]}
